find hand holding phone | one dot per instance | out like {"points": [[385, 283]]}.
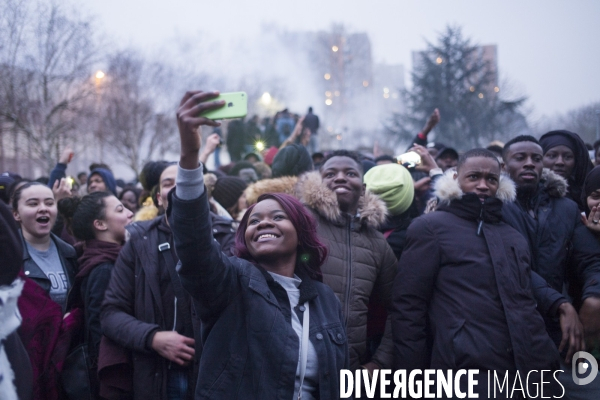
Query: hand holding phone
{"points": [[192, 104], [236, 106]]}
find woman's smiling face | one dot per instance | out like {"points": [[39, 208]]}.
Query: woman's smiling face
{"points": [[36, 211], [270, 233]]}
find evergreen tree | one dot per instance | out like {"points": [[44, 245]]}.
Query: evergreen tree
{"points": [[453, 75]]}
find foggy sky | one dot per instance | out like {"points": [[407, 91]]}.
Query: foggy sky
{"points": [[549, 49]]}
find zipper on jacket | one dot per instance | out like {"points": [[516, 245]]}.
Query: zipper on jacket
{"points": [[480, 221], [175, 315], [174, 325], [349, 281]]}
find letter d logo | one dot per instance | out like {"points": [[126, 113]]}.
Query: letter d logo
{"points": [[582, 368]]}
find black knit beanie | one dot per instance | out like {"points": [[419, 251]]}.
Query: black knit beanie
{"points": [[292, 160], [150, 174], [228, 190]]}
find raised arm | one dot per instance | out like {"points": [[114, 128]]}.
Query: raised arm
{"points": [[60, 169], [421, 137], [205, 272]]}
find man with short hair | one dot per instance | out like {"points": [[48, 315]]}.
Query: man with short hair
{"points": [[360, 264], [148, 313], [560, 245], [146, 309], [82, 178], [463, 294]]}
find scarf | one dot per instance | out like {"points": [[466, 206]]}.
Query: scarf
{"points": [[96, 252], [470, 207]]}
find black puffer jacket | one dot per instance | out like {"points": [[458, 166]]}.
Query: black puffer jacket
{"points": [[559, 243], [463, 295]]}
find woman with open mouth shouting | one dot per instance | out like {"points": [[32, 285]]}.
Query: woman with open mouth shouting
{"points": [[49, 266], [48, 260], [271, 329]]}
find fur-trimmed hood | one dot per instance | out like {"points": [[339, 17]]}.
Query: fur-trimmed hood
{"points": [[554, 184], [285, 184], [310, 190], [314, 194], [447, 189]]}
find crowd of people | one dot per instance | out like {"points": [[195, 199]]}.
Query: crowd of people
{"points": [[265, 277], [246, 138]]}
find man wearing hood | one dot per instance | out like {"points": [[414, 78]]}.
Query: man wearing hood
{"points": [[567, 155], [463, 294], [101, 180], [562, 248]]}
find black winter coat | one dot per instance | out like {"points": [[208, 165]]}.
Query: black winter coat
{"points": [[463, 300], [250, 350], [394, 230], [133, 310], [93, 288], [558, 241]]}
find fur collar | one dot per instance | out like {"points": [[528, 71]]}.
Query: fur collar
{"points": [[285, 184], [554, 184], [447, 189], [311, 191]]}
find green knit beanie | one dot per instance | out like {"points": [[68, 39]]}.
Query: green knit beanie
{"points": [[393, 184]]}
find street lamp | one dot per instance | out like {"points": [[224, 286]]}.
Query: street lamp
{"points": [[266, 98], [100, 75]]}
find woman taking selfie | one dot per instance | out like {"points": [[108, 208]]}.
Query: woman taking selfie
{"points": [[98, 220], [271, 329]]}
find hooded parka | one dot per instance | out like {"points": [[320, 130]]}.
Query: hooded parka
{"points": [[561, 247], [463, 294]]}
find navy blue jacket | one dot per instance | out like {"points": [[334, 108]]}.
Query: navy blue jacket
{"points": [[560, 245], [464, 300], [250, 350]]}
